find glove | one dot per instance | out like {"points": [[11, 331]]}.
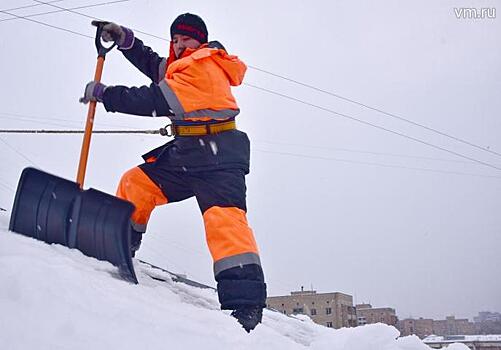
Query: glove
{"points": [[94, 91], [122, 36]]}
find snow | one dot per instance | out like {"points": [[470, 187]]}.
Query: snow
{"points": [[467, 338], [56, 298], [213, 147]]}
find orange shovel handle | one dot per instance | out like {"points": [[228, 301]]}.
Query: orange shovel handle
{"points": [[84, 153], [101, 53]]}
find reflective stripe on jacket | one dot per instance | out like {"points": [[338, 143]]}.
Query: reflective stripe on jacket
{"points": [[198, 85]]}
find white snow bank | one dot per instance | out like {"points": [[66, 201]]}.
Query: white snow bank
{"points": [[55, 298]]}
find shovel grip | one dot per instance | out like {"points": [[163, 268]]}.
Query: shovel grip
{"points": [[101, 49]]}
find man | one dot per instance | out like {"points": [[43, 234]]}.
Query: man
{"points": [[208, 157]]}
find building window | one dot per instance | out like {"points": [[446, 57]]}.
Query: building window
{"points": [[313, 312], [329, 324], [328, 311], [298, 310]]}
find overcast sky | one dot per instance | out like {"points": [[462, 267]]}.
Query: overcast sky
{"points": [[336, 205]]}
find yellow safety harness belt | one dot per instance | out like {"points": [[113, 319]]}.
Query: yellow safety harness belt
{"points": [[203, 129]]}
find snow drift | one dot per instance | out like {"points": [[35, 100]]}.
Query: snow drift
{"points": [[55, 298]]}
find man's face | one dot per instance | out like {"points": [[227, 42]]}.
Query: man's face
{"points": [[181, 42]]}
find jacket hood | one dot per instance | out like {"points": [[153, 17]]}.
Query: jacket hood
{"points": [[232, 66]]}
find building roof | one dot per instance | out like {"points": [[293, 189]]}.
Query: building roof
{"points": [[311, 293], [462, 338]]}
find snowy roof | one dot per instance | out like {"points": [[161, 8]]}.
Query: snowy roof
{"points": [[462, 338], [82, 297]]}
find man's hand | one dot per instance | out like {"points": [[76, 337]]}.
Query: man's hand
{"points": [[122, 36], [94, 91]]}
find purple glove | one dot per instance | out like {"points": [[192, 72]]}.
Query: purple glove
{"points": [[124, 37], [94, 91]]}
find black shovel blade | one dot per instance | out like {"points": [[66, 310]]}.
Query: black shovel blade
{"points": [[41, 206], [55, 210], [100, 227]]}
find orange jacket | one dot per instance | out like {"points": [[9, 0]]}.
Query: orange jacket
{"points": [[197, 86]]}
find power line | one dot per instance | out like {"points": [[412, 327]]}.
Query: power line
{"points": [[71, 10], [37, 121], [17, 152], [26, 131], [5, 186], [301, 101], [47, 25], [376, 164], [367, 152], [29, 6], [35, 118], [371, 124], [395, 116], [22, 117], [60, 9]]}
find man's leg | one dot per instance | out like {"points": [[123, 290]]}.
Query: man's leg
{"points": [[237, 266], [136, 187], [146, 187]]}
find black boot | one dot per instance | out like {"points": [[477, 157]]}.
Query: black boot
{"points": [[135, 241], [248, 316]]}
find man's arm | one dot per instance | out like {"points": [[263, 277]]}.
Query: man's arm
{"points": [[144, 100], [146, 60], [141, 56]]}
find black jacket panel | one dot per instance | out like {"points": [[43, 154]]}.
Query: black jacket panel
{"points": [[144, 100], [144, 59]]}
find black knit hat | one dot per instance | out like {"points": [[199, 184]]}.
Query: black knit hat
{"points": [[190, 25]]}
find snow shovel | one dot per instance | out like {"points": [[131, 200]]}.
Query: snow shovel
{"points": [[56, 210]]}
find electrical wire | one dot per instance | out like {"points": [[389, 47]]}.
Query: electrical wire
{"points": [[260, 150], [34, 118], [365, 152], [392, 115], [60, 9], [395, 116], [7, 188], [291, 154], [3, 184], [300, 101], [47, 25], [71, 10], [22, 117], [18, 152], [29, 6], [372, 125]]}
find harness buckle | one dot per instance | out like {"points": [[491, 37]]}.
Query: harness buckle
{"points": [[167, 130]]}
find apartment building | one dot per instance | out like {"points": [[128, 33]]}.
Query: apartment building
{"points": [[366, 314], [333, 310], [424, 327]]}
